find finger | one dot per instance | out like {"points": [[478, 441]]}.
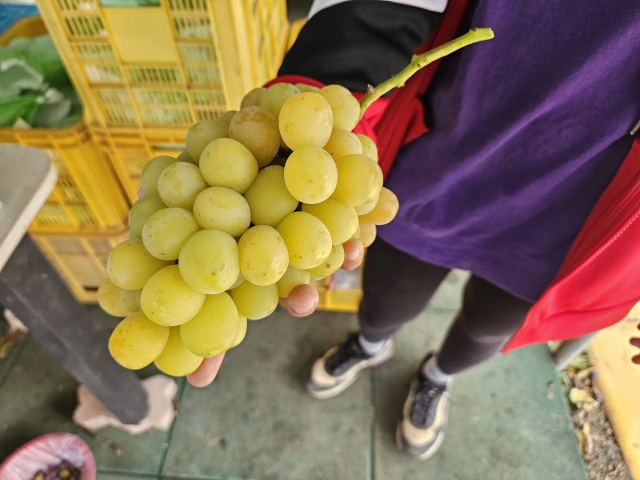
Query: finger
{"points": [[206, 372], [141, 193], [353, 254], [636, 359], [302, 301], [635, 342]]}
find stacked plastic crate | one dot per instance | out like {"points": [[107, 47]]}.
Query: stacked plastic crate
{"points": [[87, 211], [145, 75]]}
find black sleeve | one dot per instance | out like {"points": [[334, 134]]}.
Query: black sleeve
{"points": [[359, 42]]}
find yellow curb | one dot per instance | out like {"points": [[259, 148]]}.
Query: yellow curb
{"points": [[619, 381]]}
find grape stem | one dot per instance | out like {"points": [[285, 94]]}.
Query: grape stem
{"points": [[418, 61]]}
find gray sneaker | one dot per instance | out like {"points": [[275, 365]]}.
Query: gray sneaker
{"points": [[421, 431], [337, 369]]}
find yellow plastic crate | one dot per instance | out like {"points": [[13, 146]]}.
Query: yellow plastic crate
{"points": [[80, 260], [170, 65], [337, 297], [88, 194], [130, 149]]}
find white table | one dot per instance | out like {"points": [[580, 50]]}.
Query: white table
{"points": [[31, 289]]}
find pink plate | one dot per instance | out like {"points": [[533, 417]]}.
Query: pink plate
{"points": [[48, 451]]}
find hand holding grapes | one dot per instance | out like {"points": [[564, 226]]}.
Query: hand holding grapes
{"points": [[301, 302]]}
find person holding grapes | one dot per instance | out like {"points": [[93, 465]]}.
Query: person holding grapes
{"points": [[527, 131]]}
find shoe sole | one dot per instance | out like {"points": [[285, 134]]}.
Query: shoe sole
{"points": [[435, 446], [341, 387]]}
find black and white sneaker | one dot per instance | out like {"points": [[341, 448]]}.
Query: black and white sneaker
{"points": [[421, 431], [337, 369]]}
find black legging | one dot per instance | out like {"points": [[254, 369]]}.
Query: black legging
{"points": [[397, 287]]}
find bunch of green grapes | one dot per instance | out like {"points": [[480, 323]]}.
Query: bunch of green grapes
{"points": [[261, 201]]}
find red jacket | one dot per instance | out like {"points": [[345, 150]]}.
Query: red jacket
{"points": [[599, 281]]}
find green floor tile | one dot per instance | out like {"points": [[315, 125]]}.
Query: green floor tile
{"points": [[449, 294], [505, 421], [39, 396], [256, 420], [114, 476], [11, 356]]}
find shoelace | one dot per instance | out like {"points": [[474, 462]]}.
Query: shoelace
{"points": [[426, 392], [347, 351]]}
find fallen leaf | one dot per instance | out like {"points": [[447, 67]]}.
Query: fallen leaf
{"points": [[582, 374], [114, 446], [580, 397], [588, 437]]}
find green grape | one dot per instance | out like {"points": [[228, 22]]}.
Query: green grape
{"points": [[179, 185], [256, 129], [340, 219], [137, 341], [368, 232], [140, 213], [139, 299], [129, 300], [311, 175], [130, 265], [307, 239], [202, 134], [228, 163], [276, 95], [219, 208], [268, 197], [167, 231], [185, 157], [305, 121], [263, 255], [112, 300], [359, 179], [369, 147], [151, 173], [303, 87], [242, 331], [226, 117], [385, 209], [367, 207], [344, 106], [343, 142], [168, 300], [254, 301], [356, 235], [214, 329], [291, 279], [209, 261], [333, 262], [238, 281], [176, 359], [253, 98]]}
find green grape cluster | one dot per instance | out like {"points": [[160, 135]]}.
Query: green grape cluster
{"points": [[261, 201]]}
